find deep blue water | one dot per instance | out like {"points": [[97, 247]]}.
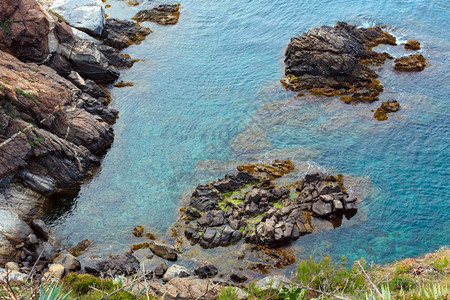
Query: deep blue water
{"points": [[207, 97]]}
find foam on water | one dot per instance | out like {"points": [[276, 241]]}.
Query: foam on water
{"points": [[211, 83]]}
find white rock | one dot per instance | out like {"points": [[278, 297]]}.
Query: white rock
{"points": [[12, 276], [273, 282], [86, 15], [175, 271]]}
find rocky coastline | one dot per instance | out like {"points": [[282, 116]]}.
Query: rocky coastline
{"points": [[54, 117], [55, 124]]}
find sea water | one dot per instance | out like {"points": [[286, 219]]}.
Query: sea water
{"points": [[207, 96]]}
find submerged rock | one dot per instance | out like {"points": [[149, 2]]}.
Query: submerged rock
{"points": [[412, 45], [410, 63], [205, 270], [163, 14], [122, 264], [386, 107], [333, 61]]}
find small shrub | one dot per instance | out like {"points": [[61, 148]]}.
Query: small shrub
{"points": [[440, 263], [52, 292]]}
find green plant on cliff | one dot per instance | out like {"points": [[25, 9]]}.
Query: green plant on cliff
{"points": [[27, 95]]}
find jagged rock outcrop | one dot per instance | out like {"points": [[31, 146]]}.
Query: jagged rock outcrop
{"points": [[250, 205], [410, 63], [333, 61], [120, 34], [387, 107]]}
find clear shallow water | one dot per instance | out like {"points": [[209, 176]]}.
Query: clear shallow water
{"points": [[208, 97]]}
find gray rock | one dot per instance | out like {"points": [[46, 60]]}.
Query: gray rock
{"points": [[160, 269], [205, 198], [42, 184], [208, 237], [205, 270], [86, 15], [41, 228], [143, 254], [176, 271], [24, 201], [32, 239], [68, 261], [321, 208], [163, 250], [12, 227], [120, 34]]}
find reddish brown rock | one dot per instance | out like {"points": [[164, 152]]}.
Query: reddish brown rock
{"points": [[45, 127], [25, 28]]}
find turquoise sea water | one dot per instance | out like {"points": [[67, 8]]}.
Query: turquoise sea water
{"points": [[208, 96]]}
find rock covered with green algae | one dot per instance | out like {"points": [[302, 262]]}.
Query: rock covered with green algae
{"points": [[249, 205]]}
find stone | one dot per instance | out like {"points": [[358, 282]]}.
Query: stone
{"points": [[143, 254], [175, 271], [192, 234], [12, 266], [205, 270], [321, 208], [160, 269], [236, 237], [87, 86], [410, 63], [163, 250], [332, 61], [80, 247], [226, 235], [12, 227], [138, 231], [89, 61], [205, 198], [68, 261], [387, 107], [238, 277], [23, 200], [189, 288], [412, 45], [55, 271], [13, 277], [41, 184], [120, 34], [27, 30], [164, 14], [192, 214], [85, 15], [273, 282], [122, 264], [41, 228], [32, 239], [207, 237]]}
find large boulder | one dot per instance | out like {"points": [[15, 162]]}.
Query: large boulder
{"points": [[333, 61], [23, 200], [163, 250], [176, 271], [86, 15], [12, 227], [123, 33], [27, 30], [88, 61]]}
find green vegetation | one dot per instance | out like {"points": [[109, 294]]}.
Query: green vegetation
{"points": [[27, 95], [52, 292]]}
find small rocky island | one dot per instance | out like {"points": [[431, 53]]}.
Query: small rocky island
{"points": [[250, 205]]}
